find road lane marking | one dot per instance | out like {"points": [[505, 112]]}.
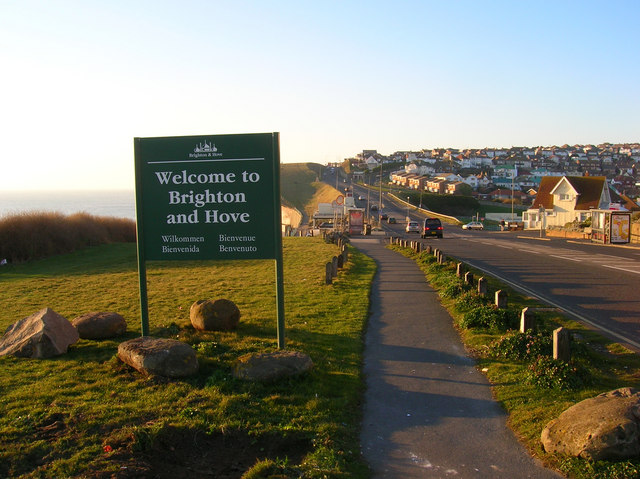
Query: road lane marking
{"points": [[577, 260], [621, 269]]}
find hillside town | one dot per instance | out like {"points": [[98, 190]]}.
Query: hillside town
{"points": [[509, 174]]}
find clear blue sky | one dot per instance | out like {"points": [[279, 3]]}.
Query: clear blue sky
{"points": [[81, 78]]}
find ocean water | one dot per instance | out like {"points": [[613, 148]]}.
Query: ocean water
{"points": [[117, 203]]}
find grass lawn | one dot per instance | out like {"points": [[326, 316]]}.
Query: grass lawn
{"points": [[85, 414]]}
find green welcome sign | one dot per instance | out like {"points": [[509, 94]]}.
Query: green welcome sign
{"points": [[208, 197]]}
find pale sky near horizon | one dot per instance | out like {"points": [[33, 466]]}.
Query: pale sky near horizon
{"points": [[81, 79]]}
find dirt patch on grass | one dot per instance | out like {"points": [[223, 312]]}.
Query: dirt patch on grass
{"points": [[175, 452]]}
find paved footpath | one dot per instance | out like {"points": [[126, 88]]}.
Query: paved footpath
{"points": [[428, 411]]}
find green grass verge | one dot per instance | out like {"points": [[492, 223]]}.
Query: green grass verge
{"points": [[85, 414], [533, 396]]}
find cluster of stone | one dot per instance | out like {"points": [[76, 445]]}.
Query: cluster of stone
{"points": [[46, 334]]}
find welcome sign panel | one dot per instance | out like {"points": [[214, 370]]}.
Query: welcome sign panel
{"points": [[208, 197]]}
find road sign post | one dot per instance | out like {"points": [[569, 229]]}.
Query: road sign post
{"points": [[203, 198]]}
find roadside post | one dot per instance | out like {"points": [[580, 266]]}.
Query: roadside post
{"points": [[209, 197]]}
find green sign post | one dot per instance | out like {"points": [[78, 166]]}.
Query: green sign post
{"points": [[209, 197]]}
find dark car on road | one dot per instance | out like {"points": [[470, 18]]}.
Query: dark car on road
{"points": [[432, 227]]}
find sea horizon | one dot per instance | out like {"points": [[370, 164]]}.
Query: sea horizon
{"points": [[119, 203]]}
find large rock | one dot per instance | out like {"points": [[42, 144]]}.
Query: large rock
{"points": [[604, 427], [100, 325], [271, 366], [159, 357], [218, 315], [42, 335]]}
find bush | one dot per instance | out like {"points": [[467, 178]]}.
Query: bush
{"points": [[522, 346], [470, 300], [489, 317], [427, 257], [453, 288], [549, 373], [34, 235]]}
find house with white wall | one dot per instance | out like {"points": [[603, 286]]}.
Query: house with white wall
{"points": [[567, 198], [371, 163], [472, 181]]}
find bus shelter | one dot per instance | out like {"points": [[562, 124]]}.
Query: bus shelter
{"points": [[610, 226]]}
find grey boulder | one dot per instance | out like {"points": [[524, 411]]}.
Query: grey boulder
{"points": [[159, 357], [218, 315], [42, 335], [100, 325], [599, 428], [271, 366]]}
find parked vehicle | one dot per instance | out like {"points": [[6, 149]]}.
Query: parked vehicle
{"points": [[432, 227], [473, 225], [413, 227]]}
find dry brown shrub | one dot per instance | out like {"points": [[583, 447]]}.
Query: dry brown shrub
{"points": [[38, 234]]}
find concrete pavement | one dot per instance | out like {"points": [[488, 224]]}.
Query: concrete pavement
{"points": [[428, 412]]}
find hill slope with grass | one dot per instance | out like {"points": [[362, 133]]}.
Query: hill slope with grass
{"points": [[301, 188]]}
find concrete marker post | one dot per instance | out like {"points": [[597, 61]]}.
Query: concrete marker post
{"points": [[328, 278], [562, 345], [468, 278], [527, 320], [482, 286], [501, 299]]}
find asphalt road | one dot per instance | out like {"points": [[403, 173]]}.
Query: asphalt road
{"points": [[596, 284]]}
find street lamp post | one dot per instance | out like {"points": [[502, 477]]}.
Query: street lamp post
{"points": [[368, 207], [512, 177], [408, 209], [380, 200]]}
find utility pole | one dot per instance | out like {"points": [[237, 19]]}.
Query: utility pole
{"points": [[380, 200], [512, 178], [408, 209], [368, 193]]}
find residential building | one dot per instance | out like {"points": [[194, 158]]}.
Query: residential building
{"points": [[567, 198]]}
